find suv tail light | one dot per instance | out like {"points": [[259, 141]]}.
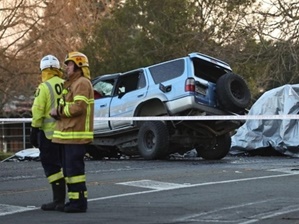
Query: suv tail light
{"points": [[190, 85]]}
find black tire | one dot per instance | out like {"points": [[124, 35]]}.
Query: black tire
{"points": [[98, 152], [153, 140], [94, 152], [218, 148], [232, 92]]}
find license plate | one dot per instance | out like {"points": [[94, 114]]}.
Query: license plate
{"points": [[200, 90]]}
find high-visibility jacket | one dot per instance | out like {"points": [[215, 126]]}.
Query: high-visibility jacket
{"points": [[75, 109], [46, 97]]}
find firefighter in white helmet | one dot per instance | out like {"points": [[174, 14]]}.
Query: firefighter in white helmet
{"points": [[74, 129], [42, 127]]}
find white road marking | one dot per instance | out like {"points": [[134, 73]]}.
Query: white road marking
{"points": [[229, 217], [204, 216], [242, 213], [286, 170], [157, 186], [282, 211], [12, 209], [189, 185]]}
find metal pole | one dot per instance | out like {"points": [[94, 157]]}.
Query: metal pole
{"points": [[24, 135]]}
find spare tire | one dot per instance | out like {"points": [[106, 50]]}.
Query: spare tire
{"points": [[232, 92]]}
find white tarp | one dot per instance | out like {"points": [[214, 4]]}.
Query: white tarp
{"points": [[280, 135], [25, 154]]}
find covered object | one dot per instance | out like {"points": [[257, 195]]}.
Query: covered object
{"points": [[277, 135]]}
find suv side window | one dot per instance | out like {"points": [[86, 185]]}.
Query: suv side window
{"points": [[141, 81], [130, 82], [167, 71]]}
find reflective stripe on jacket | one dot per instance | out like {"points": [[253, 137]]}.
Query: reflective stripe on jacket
{"points": [[46, 97], [76, 109]]}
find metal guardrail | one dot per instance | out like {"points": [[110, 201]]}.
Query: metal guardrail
{"points": [[14, 135]]}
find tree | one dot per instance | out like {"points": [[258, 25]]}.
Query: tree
{"points": [[142, 32], [18, 18], [258, 40], [31, 29], [138, 33], [275, 29]]}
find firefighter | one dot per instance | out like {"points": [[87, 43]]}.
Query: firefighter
{"points": [[42, 128], [74, 129]]}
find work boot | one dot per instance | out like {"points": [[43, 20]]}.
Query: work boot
{"points": [[58, 189], [77, 205]]}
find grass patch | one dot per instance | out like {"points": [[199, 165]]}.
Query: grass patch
{"points": [[4, 155]]}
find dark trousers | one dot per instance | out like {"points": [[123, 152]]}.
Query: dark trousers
{"points": [[51, 158], [74, 172]]}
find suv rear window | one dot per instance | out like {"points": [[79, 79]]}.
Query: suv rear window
{"points": [[207, 70], [167, 71]]}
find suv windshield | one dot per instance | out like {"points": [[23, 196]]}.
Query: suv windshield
{"points": [[104, 87]]}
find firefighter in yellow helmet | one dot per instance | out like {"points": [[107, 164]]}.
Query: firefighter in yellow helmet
{"points": [[42, 128], [74, 129]]}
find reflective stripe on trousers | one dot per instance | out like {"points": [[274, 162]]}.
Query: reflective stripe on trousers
{"points": [[74, 170]]}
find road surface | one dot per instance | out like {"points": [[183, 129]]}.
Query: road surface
{"points": [[232, 190]]}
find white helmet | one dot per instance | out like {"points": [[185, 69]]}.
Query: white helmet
{"points": [[49, 61]]}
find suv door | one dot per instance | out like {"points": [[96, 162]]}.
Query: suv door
{"points": [[103, 94], [130, 90]]}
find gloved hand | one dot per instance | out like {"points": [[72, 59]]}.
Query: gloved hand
{"points": [[34, 136], [54, 114]]}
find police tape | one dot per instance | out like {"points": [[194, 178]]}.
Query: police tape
{"points": [[181, 118]]}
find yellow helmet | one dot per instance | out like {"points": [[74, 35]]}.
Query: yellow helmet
{"points": [[78, 58]]}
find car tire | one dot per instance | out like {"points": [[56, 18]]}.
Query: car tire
{"points": [[232, 92], [218, 148], [153, 140], [100, 152]]}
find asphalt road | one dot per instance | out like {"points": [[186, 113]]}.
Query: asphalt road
{"points": [[233, 190]]}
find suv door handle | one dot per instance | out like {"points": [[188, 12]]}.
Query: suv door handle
{"points": [[141, 95], [103, 105]]}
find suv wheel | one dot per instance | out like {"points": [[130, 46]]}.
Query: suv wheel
{"points": [[153, 140], [232, 92], [218, 148], [98, 152]]}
